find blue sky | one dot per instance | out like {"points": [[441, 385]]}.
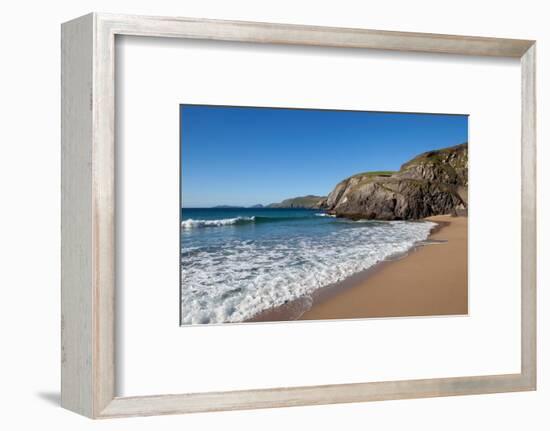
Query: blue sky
{"points": [[247, 156]]}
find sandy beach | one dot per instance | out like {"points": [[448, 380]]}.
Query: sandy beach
{"points": [[430, 280]]}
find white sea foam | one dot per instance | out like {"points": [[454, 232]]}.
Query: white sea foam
{"points": [[237, 281], [190, 223], [324, 215]]}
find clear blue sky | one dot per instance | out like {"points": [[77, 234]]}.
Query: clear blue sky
{"points": [[247, 156]]}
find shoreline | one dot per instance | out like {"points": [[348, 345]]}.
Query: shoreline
{"points": [[429, 279]]}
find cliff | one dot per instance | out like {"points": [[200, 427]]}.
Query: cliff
{"points": [[309, 201], [432, 183]]}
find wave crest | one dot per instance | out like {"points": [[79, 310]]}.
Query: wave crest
{"points": [[192, 223]]}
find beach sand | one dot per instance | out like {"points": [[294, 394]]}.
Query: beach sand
{"points": [[430, 280]]}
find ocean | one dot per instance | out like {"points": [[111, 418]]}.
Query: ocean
{"points": [[238, 262]]}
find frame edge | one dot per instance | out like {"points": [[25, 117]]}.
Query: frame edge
{"points": [[312, 395], [77, 377], [294, 34], [528, 218]]}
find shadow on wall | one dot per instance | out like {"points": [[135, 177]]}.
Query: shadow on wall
{"points": [[50, 397]]}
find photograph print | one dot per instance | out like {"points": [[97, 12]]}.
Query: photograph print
{"points": [[318, 214]]}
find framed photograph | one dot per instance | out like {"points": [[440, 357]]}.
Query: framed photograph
{"points": [[266, 215], [276, 226]]}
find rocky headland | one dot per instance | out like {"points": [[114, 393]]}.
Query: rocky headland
{"points": [[432, 183]]}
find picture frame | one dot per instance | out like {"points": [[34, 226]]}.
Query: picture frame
{"points": [[88, 205]]}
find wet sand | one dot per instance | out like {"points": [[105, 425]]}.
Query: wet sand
{"points": [[429, 280]]}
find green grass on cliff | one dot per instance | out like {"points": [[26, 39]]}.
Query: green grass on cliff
{"points": [[375, 174]]}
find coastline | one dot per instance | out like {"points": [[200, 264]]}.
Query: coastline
{"points": [[430, 279]]}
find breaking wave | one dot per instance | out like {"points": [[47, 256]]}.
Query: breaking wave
{"points": [[237, 221], [190, 223]]}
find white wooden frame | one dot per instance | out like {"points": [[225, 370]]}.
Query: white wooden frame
{"points": [[88, 215]]}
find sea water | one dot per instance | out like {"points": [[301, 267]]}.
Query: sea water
{"points": [[236, 263]]}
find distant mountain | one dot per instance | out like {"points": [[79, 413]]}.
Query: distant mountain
{"points": [[307, 202], [226, 206], [257, 206]]}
